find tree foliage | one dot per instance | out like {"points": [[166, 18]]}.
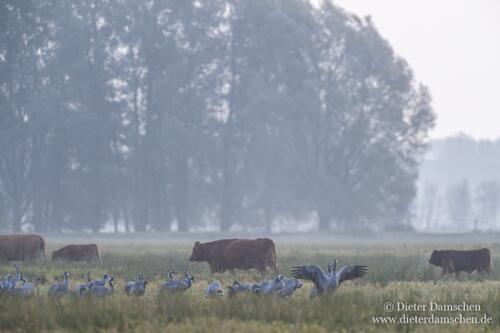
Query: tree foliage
{"points": [[174, 113]]}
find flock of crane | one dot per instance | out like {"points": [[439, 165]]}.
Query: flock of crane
{"points": [[280, 286]]}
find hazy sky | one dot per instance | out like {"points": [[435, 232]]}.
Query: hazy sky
{"points": [[453, 47]]}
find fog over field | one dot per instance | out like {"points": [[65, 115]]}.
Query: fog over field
{"points": [[398, 271], [224, 116], [186, 115], [215, 138]]}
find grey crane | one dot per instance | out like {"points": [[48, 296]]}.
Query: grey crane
{"points": [[16, 291], [102, 282], [26, 290], [328, 282], [60, 288], [137, 287], [18, 275], [83, 288], [214, 289], [102, 291], [290, 286], [272, 287], [6, 283], [9, 282], [332, 267], [181, 285], [240, 288]]}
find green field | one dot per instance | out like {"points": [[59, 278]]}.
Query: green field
{"points": [[398, 271]]}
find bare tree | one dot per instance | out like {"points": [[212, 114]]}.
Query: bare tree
{"points": [[488, 203], [429, 204], [458, 203]]}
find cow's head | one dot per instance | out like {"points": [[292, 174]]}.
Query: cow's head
{"points": [[198, 253], [436, 258], [56, 255]]}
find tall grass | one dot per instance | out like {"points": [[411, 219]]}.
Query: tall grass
{"points": [[396, 272]]}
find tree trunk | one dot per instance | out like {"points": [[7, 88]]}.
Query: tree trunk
{"points": [[126, 220], [227, 190], [227, 208], [16, 218], [181, 189], [115, 220], [37, 219], [56, 215]]}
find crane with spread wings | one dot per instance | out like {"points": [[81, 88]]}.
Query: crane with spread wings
{"points": [[328, 282]]}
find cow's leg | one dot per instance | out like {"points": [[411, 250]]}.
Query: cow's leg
{"points": [[451, 269], [261, 267], [447, 269], [272, 265], [40, 254], [271, 261]]}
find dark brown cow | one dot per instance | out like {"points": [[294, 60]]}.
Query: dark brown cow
{"points": [[22, 247], [82, 252], [228, 254], [453, 261]]}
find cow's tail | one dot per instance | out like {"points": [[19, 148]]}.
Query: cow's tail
{"points": [[43, 249], [490, 266], [271, 256], [98, 254]]}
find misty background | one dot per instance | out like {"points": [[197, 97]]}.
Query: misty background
{"points": [[174, 115]]}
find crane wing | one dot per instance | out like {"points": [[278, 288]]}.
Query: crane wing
{"points": [[311, 272], [351, 273]]}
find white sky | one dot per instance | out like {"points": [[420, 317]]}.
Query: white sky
{"points": [[453, 47]]}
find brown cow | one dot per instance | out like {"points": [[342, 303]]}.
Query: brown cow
{"points": [[82, 252], [453, 261], [22, 247], [228, 254]]}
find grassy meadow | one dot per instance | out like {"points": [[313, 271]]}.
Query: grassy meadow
{"points": [[397, 271]]}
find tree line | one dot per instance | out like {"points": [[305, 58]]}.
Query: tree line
{"points": [[460, 185], [182, 114]]}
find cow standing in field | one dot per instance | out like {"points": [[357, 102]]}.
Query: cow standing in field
{"points": [[453, 261], [228, 254], [22, 247], [83, 252]]}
